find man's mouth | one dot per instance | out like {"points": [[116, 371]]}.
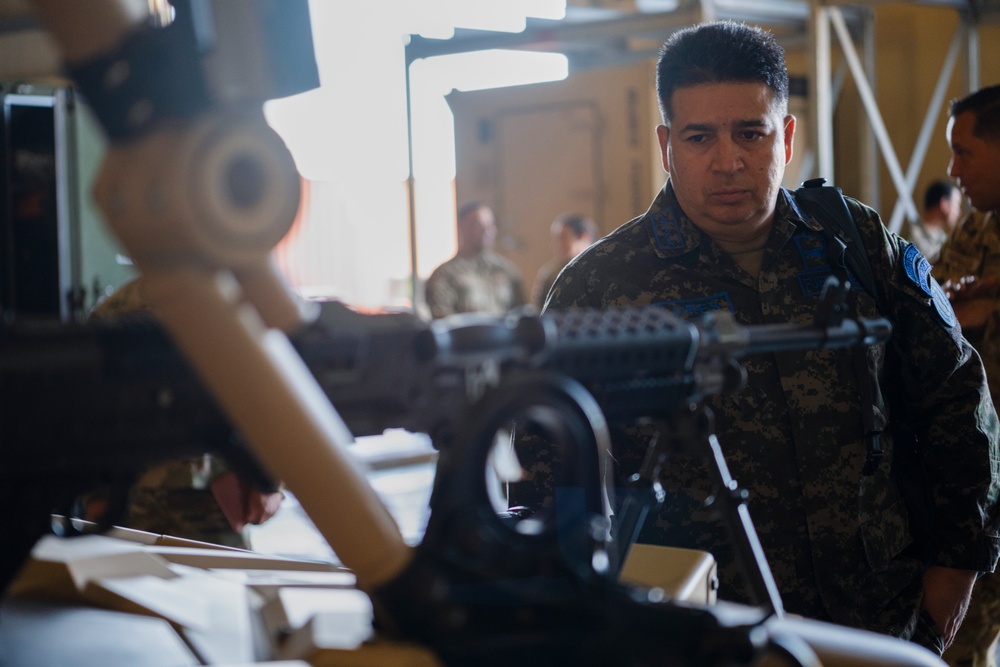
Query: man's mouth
{"points": [[729, 195]]}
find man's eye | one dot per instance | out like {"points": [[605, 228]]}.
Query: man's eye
{"points": [[750, 135], [697, 138]]}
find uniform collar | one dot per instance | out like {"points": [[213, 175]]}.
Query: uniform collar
{"points": [[672, 234]]}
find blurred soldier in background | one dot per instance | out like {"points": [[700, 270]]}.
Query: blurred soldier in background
{"points": [[572, 233], [476, 279], [942, 209]]}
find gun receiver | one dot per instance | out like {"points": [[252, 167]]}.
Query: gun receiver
{"points": [[393, 370]]}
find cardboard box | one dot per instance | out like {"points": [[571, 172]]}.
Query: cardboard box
{"points": [[292, 608], [60, 568], [682, 574], [331, 639], [211, 598]]}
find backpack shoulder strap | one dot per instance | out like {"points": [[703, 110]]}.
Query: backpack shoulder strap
{"points": [[826, 204]]}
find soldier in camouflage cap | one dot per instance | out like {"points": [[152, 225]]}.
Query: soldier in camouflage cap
{"points": [[476, 279], [723, 235], [970, 267]]}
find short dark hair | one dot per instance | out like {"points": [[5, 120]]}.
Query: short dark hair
{"points": [[720, 52], [985, 105], [579, 224], [937, 191], [467, 208]]}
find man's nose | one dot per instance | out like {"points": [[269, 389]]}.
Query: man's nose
{"points": [[953, 169], [728, 156]]}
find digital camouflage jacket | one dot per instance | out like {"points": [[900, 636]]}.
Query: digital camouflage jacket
{"points": [[488, 283], [834, 537]]}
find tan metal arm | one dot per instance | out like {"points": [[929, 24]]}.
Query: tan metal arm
{"points": [[202, 246]]}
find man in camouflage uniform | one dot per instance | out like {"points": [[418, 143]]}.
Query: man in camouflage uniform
{"points": [[572, 233], [723, 235], [939, 218], [185, 497], [970, 267], [476, 279]]}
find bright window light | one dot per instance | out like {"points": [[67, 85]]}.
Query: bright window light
{"points": [[480, 70], [434, 78], [545, 9], [487, 15], [349, 140], [437, 19]]}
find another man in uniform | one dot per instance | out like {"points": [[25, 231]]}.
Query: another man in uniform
{"points": [[476, 279], [942, 209], [572, 233], [723, 234], [970, 265]]}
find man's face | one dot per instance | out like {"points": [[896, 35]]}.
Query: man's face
{"points": [[564, 242], [477, 231], [726, 151], [954, 208], [975, 163]]}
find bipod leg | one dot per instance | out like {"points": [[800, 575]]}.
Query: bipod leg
{"points": [[642, 497], [731, 500]]}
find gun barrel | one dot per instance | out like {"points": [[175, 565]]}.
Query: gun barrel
{"points": [[765, 338], [591, 344]]}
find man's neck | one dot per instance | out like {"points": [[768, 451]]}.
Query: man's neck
{"points": [[747, 253], [934, 222]]}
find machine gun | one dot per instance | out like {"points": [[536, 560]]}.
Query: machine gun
{"points": [[543, 590], [125, 398]]}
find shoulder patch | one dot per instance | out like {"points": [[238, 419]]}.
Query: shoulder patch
{"points": [[918, 272], [689, 309], [666, 229], [942, 305], [918, 269]]}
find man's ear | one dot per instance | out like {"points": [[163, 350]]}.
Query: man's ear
{"points": [[663, 137], [789, 136]]}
